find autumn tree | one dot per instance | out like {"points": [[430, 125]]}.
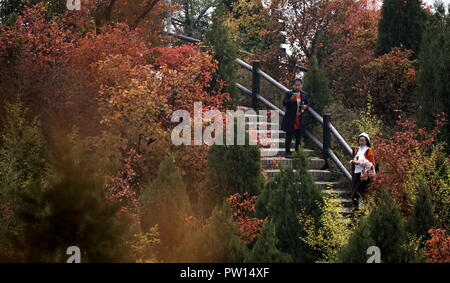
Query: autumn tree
{"points": [[346, 48], [438, 247], [138, 14], [243, 211], [307, 22], [415, 163], [126, 186], [247, 23], [192, 17], [390, 81], [401, 25], [257, 28], [147, 96], [10, 10]]}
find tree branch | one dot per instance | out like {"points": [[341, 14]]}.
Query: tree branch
{"points": [[108, 11], [150, 5]]}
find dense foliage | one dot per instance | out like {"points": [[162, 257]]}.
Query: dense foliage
{"points": [[87, 158]]}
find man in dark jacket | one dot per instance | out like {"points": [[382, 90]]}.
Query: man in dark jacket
{"points": [[296, 103]]}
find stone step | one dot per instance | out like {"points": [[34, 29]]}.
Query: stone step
{"points": [[281, 134], [243, 107], [325, 184], [281, 141], [341, 193], [346, 210], [276, 161], [276, 151], [258, 125], [259, 118], [318, 175], [344, 199], [346, 202]]}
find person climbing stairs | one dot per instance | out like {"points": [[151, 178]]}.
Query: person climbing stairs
{"points": [[273, 157]]}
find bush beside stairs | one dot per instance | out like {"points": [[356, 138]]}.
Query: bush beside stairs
{"points": [[324, 178]]}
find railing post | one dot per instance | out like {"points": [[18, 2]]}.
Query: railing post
{"points": [[256, 84], [326, 136]]}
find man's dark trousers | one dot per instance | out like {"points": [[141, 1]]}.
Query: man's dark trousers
{"points": [[288, 142]]}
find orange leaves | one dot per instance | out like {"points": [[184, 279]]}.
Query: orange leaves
{"points": [[397, 153], [390, 79], [136, 98], [35, 42], [125, 187], [243, 207], [105, 76], [438, 247]]}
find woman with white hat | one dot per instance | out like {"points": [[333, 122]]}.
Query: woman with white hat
{"points": [[363, 167]]}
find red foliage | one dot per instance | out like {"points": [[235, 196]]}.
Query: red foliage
{"points": [[396, 153], [438, 247], [126, 187], [390, 80], [50, 61], [243, 207]]}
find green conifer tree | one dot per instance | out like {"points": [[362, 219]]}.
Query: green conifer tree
{"points": [[422, 217], [383, 228], [401, 25], [165, 202], [356, 249], [231, 169], [265, 248], [387, 229], [21, 156], [216, 241], [69, 210], [281, 201], [218, 36], [317, 86], [432, 90]]}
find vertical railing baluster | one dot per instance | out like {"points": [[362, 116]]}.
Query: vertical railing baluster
{"points": [[326, 137], [256, 84]]}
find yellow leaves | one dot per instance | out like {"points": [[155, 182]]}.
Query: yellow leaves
{"points": [[333, 231]]}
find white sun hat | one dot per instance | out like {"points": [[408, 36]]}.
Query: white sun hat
{"points": [[365, 135]]}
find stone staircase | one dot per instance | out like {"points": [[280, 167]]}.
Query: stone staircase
{"points": [[272, 158]]}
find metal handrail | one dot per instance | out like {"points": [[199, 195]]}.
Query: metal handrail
{"points": [[313, 113], [333, 156], [184, 37]]}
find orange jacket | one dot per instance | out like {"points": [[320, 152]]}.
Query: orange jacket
{"points": [[369, 155]]}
